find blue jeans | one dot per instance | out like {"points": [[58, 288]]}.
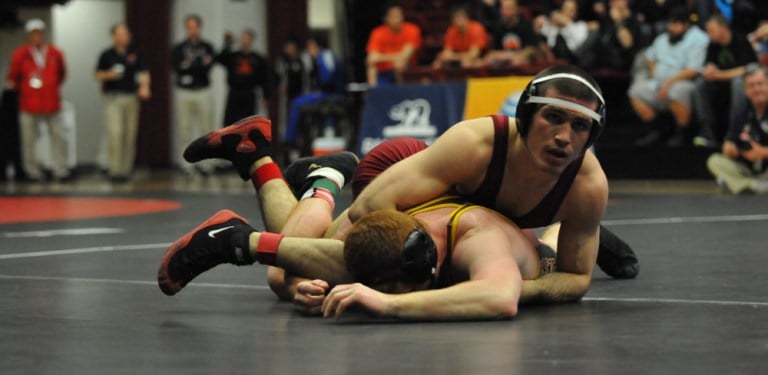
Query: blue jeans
{"points": [[294, 114]]}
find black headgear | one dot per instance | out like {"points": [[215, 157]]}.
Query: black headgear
{"points": [[531, 98], [419, 259]]}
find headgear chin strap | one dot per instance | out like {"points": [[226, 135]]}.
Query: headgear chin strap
{"points": [[419, 259], [531, 96]]}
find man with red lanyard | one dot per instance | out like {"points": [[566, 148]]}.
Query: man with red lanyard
{"points": [[37, 72]]}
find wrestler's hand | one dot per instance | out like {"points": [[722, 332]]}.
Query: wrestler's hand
{"points": [[309, 296], [345, 296]]}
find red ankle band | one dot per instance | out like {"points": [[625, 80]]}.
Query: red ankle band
{"points": [[265, 173], [266, 248]]}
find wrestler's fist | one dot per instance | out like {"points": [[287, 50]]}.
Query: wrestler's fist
{"points": [[309, 296], [346, 296]]}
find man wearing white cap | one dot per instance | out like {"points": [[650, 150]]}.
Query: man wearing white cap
{"points": [[37, 71]]}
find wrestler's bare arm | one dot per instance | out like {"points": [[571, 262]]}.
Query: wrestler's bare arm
{"points": [[492, 291], [577, 242], [453, 158], [310, 258], [330, 254]]}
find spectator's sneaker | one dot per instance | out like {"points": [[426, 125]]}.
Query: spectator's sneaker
{"points": [[223, 238], [297, 174], [678, 140], [705, 137], [704, 142], [651, 138], [722, 185], [615, 257], [759, 186], [242, 143]]}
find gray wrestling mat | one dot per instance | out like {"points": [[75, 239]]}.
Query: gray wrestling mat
{"points": [[78, 301]]}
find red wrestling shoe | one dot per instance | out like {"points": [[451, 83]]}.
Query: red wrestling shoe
{"points": [[223, 238], [302, 172], [242, 143]]}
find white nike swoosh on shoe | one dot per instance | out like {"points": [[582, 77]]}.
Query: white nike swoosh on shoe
{"points": [[213, 233]]}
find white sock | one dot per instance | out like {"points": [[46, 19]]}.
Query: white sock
{"points": [[331, 174]]}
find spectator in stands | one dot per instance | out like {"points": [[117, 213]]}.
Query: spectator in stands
{"points": [[742, 15], [618, 41], [489, 14], [124, 80], [743, 164], [653, 15], [192, 60], [674, 61], [513, 40], [759, 40], [291, 78], [326, 80], [566, 35], [37, 71], [465, 41], [391, 48], [720, 87], [247, 72], [291, 72]]}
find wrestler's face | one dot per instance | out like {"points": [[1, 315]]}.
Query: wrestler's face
{"points": [[557, 135]]}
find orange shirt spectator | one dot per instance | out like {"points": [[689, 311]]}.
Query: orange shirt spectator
{"points": [[474, 36], [464, 41], [391, 47]]}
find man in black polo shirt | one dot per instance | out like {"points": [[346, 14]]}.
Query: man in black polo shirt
{"points": [[720, 88], [124, 80], [247, 71], [192, 60], [513, 40]]}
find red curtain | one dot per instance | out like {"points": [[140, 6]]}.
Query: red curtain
{"points": [[149, 21], [285, 18]]}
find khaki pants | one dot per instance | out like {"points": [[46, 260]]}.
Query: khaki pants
{"points": [[122, 117], [28, 123], [194, 116], [737, 176]]}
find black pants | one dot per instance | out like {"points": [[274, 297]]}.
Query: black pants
{"points": [[240, 103], [10, 150]]}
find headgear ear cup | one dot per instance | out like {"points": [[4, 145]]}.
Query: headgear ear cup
{"points": [[419, 259], [525, 109]]}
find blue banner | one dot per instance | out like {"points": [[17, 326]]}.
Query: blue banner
{"points": [[413, 110]]}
